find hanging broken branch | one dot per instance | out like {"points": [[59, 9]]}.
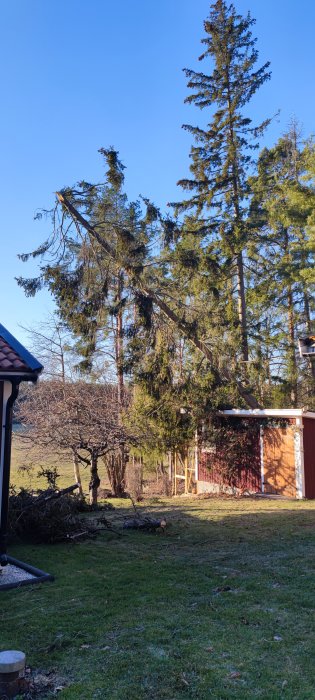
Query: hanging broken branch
{"points": [[138, 284]]}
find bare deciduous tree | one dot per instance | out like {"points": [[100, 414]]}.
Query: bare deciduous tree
{"points": [[79, 418]]}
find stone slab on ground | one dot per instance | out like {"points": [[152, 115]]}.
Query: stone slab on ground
{"points": [[17, 573], [11, 574]]}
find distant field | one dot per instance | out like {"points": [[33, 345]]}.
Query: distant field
{"points": [[29, 479]]}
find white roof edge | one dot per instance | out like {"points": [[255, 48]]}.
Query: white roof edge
{"points": [[260, 412]]}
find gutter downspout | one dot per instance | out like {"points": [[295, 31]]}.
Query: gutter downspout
{"points": [[6, 461]]}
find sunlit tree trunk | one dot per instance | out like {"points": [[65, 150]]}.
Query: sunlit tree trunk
{"points": [[94, 481], [77, 475]]}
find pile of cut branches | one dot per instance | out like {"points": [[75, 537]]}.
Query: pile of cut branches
{"points": [[51, 516]]}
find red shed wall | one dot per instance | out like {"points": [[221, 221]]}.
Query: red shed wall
{"points": [[247, 475], [309, 456]]}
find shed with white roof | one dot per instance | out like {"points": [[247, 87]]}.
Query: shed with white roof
{"points": [[278, 457]]}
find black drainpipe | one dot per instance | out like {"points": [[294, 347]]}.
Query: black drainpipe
{"points": [[6, 472]]}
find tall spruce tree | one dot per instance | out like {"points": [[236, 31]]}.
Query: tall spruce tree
{"points": [[217, 210], [284, 258]]}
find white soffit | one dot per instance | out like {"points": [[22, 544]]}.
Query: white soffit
{"points": [[271, 412]]}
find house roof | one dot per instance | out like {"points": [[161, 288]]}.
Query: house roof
{"points": [[14, 358], [271, 412]]}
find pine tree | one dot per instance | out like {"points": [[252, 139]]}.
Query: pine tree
{"points": [[222, 156]]}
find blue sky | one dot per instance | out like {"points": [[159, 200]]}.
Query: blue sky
{"points": [[76, 76]]}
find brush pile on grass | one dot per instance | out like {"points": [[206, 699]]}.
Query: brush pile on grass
{"points": [[51, 516]]}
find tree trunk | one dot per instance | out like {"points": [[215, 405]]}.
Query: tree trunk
{"points": [[141, 476], [119, 349], [135, 478], [241, 306], [116, 471], [94, 481], [292, 354], [241, 300], [309, 331], [119, 353], [77, 475], [291, 329]]}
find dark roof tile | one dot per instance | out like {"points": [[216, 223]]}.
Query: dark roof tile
{"points": [[10, 361], [15, 358]]}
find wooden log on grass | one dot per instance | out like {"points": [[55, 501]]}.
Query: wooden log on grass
{"points": [[144, 523]]}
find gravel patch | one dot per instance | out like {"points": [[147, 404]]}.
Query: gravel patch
{"points": [[13, 574]]}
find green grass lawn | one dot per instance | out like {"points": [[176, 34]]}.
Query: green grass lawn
{"points": [[222, 606]]}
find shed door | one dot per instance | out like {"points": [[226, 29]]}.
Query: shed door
{"points": [[309, 456], [279, 462]]}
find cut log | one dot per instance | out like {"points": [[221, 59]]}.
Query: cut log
{"points": [[144, 523]]}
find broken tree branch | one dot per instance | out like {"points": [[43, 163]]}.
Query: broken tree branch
{"points": [[188, 332]]}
